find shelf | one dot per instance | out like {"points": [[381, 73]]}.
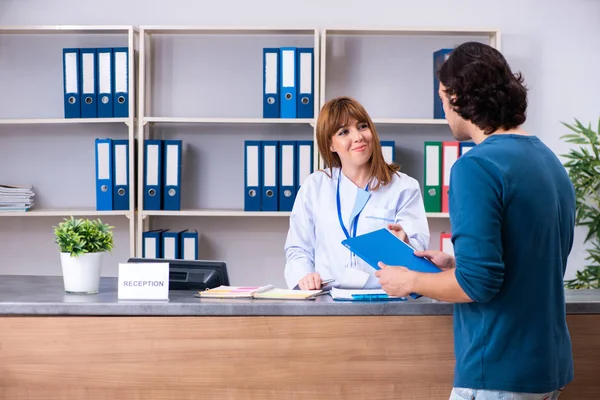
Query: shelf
{"points": [[227, 30], [33, 121], [61, 213], [374, 43], [67, 29], [413, 31], [492, 34], [409, 121], [237, 213], [170, 120], [215, 213], [45, 43], [438, 215]]}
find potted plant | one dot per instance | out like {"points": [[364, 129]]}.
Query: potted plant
{"points": [[82, 244], [583, 166]]}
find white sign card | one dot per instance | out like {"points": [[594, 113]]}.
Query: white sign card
{"points": [[143, 281]]}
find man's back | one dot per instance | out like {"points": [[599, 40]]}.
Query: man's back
{"points": [[512, 210]]}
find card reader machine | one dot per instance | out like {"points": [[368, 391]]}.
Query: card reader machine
{"points": [[192, 274]]}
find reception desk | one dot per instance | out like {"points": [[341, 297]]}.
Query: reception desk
{"points": [[55, 346]]}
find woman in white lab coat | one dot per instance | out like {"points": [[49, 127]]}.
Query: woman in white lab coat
{"points": [[357, 194]]}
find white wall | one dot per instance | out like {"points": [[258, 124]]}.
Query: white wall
{"points": [[554, 43]]}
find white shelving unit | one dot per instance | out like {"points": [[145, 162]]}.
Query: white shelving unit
{"points": [[224, 121], [35, 212], [438, 215], [217, 213], [492, 35], [143, 124], [409, 121], [148, 122], [50, 121], [130, 33]]}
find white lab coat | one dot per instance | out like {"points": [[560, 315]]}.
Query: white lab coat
{"points": [[314, 238]]}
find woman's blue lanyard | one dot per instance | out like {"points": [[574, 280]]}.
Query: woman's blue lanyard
{"points": [[339, 211]]}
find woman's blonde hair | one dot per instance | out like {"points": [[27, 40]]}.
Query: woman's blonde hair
{"points": [[335, 113]]}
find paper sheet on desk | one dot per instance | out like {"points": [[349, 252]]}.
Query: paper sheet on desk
{"points": [[348, 294]]}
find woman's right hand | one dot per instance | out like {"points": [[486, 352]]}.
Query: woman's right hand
{"points": [[310, 282], [399, 232]]}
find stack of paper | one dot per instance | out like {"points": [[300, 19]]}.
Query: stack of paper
{"points": [[258, 292], [16, 198], [362, 294]]}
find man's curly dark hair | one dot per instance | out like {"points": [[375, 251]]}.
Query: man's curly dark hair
{"points": [[487, 92]]}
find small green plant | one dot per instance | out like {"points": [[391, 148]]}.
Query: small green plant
{"points": [[77, 236], [583, 166]]}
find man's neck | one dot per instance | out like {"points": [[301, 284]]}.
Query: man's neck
{"points": [[478, 136], [358, 175]]}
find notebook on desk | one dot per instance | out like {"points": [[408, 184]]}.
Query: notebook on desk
{"points": [[233, 292], [258, 292], [289, 294], [382, 245]]}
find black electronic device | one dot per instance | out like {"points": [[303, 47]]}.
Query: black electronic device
{"points": [[192, 274]]}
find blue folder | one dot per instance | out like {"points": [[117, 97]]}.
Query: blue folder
{"points": [[439, 57], [357, 298], [382, 245]]}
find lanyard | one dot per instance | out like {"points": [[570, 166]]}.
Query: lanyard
{"points": [[339, 211]]}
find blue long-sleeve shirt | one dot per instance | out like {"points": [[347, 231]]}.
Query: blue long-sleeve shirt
{"points": [[512, 212]]}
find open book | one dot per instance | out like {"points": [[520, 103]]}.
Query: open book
{"points": [[258, 292]]}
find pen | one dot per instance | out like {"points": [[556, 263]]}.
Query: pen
{"points": [[376, 297], [326, 281], [263, 289]]}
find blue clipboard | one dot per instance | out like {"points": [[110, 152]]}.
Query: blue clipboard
{"points": [[376, 297], [382, 245]]}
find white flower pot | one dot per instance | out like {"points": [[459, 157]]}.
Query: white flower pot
{"points": [[81, 274]]}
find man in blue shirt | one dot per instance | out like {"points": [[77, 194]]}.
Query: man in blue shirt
{"points": [[512, 212]]}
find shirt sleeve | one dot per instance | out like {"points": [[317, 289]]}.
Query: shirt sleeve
{"points": [[475, 203], [411, 215], [300, 243]]}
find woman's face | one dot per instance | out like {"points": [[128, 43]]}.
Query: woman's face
{"points": [[352, 143]]}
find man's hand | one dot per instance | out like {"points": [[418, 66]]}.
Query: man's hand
{"points": [[398, 231], [440, 259], [396, 281], [400, 281]]}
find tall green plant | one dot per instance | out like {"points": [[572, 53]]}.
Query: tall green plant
{"points": [[78, 236], [583, 166]]}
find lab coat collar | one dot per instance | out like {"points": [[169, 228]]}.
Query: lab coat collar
{"points": [[362, 196]]}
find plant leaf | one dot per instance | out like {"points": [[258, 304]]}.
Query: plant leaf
{"points": [[583, 166], [79, 236]]}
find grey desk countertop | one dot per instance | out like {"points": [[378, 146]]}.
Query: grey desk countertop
{"points": [[45, 295]]}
